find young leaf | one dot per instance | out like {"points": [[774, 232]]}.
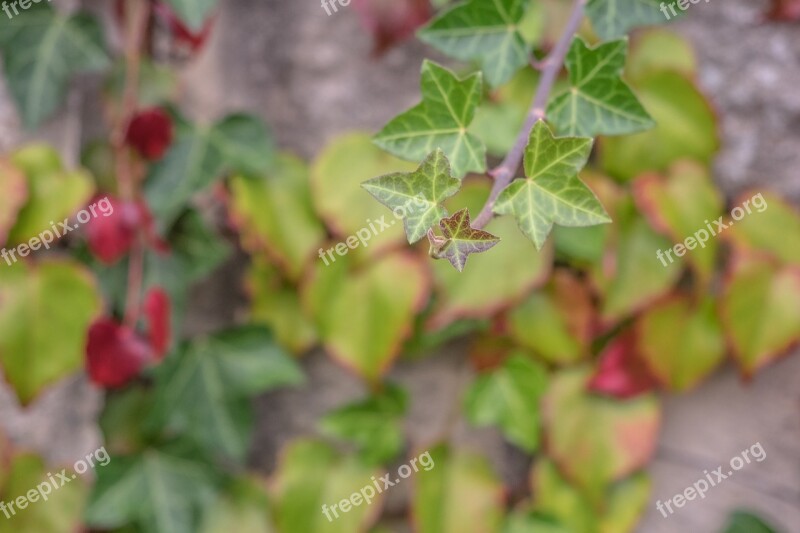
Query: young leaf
{"points": [[417, 195], [41, 50], [509, 397], [204, 388], [460, 240], [124, 493], [375, 424], [551, 193], [485, 31], [439, 121], [598, 101], [612, 19]]}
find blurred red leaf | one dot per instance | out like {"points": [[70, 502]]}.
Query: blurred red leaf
{"points": [[193, 40], [785, 10], [156, 309], [115, 354], [150, 133], [392, 21], [621, 373]]}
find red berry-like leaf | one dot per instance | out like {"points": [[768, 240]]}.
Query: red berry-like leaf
{"points": [[150, 133], [192, 40], [392, 21], [621, 373], [115, 354], [784, 10], [156, 309]]}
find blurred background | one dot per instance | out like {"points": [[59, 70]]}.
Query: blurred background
{"points": [[312, 77]]}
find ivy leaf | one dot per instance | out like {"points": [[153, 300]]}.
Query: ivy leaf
{"points": [[375, 424], [203, 390], [417, 195], [193, 12], [124, 493], [598, 101], [612, 19], [756, 231], [42, 49], [439, 121], [509, 397], [242, 507], [552, 192], [485, 31], [460, 240], [759, 311], [460, 493], [41, 340], [202, 154], [14, 185], [620, 372], [311, 478], [745, 522]]}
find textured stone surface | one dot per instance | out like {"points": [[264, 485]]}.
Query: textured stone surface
{"points": [[311, 77]]}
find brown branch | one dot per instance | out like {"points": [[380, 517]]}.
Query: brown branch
{"points": [[550, 68]]}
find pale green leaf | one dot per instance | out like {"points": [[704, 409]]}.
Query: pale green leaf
{"points": [[439, 121], [598, 101], [485, 31], [612, 19], [552, 192]]}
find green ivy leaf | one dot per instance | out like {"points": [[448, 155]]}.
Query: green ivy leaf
{"points": [[485, 31], [193, 12], [440, 121], [590, 437], [274, 214], [417, 195], [681, 361], [41, 339], [201, 155], [312, 475], [759, 310], [203, 389], [375, 424], [459, 494], [598, 101], [159, 491], [756, 232], [551, 193], [612, 19], [509, 397], [42, 49], [61, 513], [744, 522], [53, 192], [460, 240]]}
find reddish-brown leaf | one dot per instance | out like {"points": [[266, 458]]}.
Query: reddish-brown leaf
{"points": [[784, 10], [621, 373], [115, 354], [392, 21], [150, 133], [157, 311]]}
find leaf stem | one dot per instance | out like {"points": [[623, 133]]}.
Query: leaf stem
{"points": [[550, 68]]}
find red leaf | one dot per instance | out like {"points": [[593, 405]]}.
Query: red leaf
{"points": [[193, 40], [115, 354], [150, 133], [621, 373], [110, 236], [784, 10], [156, 309], [392, 21]]}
